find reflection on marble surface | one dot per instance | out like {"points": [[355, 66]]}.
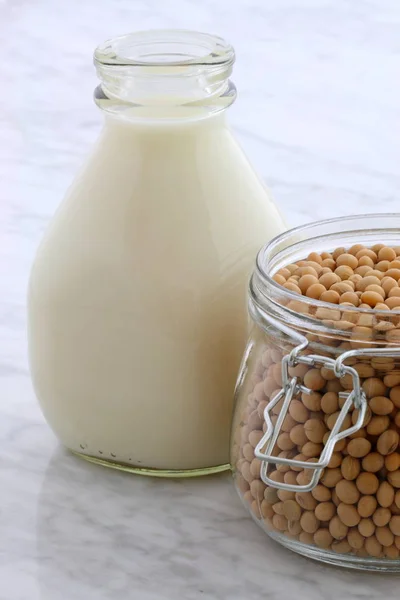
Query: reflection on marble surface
{"points": [[318, 113]]}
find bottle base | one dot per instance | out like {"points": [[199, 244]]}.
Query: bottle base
{"points": [[338, 560], [135, 470]]}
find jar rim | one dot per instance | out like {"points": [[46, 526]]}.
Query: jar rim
{"points": [[266, 252], [296, 244]]}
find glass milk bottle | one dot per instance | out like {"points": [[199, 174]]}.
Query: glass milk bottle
{"points": [[137, 315]]}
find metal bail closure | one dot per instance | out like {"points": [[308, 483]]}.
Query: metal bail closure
{"points": [[291, 388]]}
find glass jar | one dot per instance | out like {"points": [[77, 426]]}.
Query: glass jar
{"points": [[137, 293], [318, 386]]}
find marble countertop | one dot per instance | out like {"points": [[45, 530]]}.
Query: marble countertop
{"points": [[319, 115]]}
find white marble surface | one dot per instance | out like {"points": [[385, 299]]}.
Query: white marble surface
{"points": [[319, 115]]}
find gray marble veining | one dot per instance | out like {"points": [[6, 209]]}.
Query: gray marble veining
{"points": [[318, 113]]}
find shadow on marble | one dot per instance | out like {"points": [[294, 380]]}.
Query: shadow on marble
{"points": [[104, 535]]}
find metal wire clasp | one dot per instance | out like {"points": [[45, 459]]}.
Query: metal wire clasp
{"points": [[291, 388]]}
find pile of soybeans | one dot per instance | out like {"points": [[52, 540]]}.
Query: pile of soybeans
{"points": [[355, 508]]}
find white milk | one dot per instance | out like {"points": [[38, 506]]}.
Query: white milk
{"points": [[137, 311]]}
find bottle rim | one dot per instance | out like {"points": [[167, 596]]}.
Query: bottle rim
{"points": [[148, 71], [165, 48]]}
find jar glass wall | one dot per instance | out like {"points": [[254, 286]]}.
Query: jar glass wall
{"points": [[315, 436]]}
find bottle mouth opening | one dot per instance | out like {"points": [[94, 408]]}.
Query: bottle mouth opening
{"points": [[165, 48], [164, 68]]}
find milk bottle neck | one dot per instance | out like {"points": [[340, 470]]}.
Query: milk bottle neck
{"points": [[164, 75]]}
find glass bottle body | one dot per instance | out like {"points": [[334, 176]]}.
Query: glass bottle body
{"points": [[137, 293]]}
